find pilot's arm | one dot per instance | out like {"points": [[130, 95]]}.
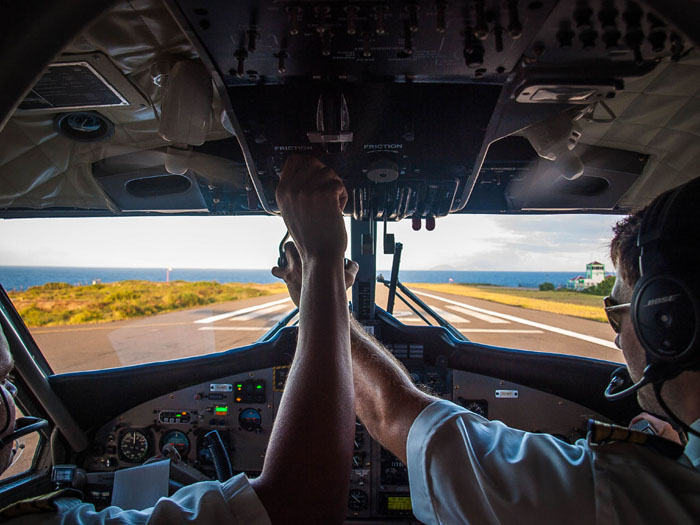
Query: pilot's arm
{"points": [[462, 467], [305, 474]]}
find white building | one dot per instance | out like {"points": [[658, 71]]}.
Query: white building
{"points": [[595, 273]]}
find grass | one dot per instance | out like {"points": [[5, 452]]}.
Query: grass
{"points": [[571, 303], [56, 304]]}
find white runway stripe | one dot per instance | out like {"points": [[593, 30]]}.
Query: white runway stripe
{"points": [[450, 317], [277, 318], [561, 331], [260, 313], [242, 311], [498, 331], [234, 328], [414, 319], [488, 318]]}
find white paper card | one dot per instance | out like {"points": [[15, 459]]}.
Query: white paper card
{"points": [[138, 488]]}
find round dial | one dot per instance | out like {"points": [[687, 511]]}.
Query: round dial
{"points": [[358, 441], [250, 419], [357, 500], [133, 446], [358, 460], [178, 440]]}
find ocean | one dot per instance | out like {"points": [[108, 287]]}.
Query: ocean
{"points": [[16, 278]]}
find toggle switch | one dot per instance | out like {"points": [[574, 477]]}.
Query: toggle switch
{"points": [[441, 16], [481, 28], [240, 55], [281, 61], [293, 17], [380, 12], [515, 28], [351, 11], [412, 11], [252, 40]]}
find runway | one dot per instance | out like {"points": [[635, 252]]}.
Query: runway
{"points": [[229, 325]]}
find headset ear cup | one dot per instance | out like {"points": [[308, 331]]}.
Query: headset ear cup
{"points": [[666, 319]]}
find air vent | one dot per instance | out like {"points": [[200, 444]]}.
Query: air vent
{"points": [[84, 126], [583, 186], [158, 185]]}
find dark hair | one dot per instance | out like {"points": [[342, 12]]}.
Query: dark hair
{"points": [[624, 251], [678, 245]]}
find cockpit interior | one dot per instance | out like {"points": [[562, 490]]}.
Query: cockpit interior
{"points": [[146, 108]]}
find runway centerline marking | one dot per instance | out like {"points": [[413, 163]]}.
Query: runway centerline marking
{"points": [[242, 311], [234, 328], [542, 326], [488, 318], [498, 331], [450, 317], [260, 313]]}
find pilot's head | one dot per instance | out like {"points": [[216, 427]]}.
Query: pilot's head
{"points": [[681, 252], [7, 405]]}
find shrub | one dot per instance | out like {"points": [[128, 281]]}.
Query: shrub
{"points": [[602, 288], [86, 316], [546, 287]]}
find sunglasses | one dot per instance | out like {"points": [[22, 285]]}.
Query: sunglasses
{"points": [[614, 311]]}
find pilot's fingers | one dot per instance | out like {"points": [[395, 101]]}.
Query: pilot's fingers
{"points": [[304, 173], [329, 185], [300, 164], [351, 268], [661, 427]]}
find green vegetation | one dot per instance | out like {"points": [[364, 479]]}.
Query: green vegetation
{"points": [[62, 304], [603, 288], [546, 287], [566, 302]]}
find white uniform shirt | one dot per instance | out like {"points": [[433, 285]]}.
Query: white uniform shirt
{"points": [[233, 502], [464, 468]]}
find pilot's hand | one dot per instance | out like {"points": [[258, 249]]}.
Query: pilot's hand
{"points": [[661, 427], [291, 274], [311, 198]]}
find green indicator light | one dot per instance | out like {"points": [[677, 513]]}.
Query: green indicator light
{"points": [[259, 387], [221, 410], [178, 415]]}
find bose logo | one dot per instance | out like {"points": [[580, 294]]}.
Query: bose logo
{"points": [[662, 300], [293, 148], [383, 146]]}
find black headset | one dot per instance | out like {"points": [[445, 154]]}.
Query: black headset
{"points": [[666, 299], [665, 307]]}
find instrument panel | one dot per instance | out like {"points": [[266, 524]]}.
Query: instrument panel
{"points": [[242, 409]]}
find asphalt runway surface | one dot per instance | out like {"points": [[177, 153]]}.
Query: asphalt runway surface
{"points": [[229, 325]]}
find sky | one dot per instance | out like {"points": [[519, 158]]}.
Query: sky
{"points": [[459, 242]]}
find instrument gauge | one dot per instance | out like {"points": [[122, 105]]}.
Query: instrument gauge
{"points": [[250, 419], [178, 440], [357, 500], [134, 446], [359, 441]]}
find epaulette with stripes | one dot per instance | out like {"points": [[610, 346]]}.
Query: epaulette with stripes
{"points": [[601, 433]]}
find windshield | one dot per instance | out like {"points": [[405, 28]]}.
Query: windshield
{"points": [[125, 291]]}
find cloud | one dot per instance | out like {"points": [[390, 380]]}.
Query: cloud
{"points": [[526, 243], [461, 242]]}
